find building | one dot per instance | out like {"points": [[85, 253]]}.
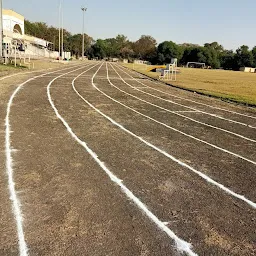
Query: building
{"points": [[141, 62], [14, 36], [13, 22], [248, 69]]}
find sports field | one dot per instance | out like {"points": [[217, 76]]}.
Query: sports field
{"points": [[229, 85], [99, 160]]}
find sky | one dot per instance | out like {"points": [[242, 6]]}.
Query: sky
{"points": [[229, 22]]}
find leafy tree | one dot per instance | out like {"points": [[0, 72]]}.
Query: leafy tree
{"points": [[168, 50], [215, 45], [75, 44], [227, 60], [254, 55], [145, 47], [126, 52], [244, 57]]}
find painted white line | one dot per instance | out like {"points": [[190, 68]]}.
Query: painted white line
{"points": [[170, 127], [29, 72], [200, 174], [9, 168], [178, 114], [179, 104], [16, 205], [185, 111], [199, 103], [182, 245], [23, 73]]}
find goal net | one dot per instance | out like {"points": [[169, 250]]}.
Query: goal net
{"points": [[195, 65]]}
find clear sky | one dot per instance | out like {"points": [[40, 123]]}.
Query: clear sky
{"points": [[230, 22]]}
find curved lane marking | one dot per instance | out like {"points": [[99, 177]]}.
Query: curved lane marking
{"points": [[172, 128], [182, 98], [189, 118], [16, 205], [200, 174], [182, 245], [179, 104]]}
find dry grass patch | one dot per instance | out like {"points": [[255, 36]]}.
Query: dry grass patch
{"points": [[230, 85], [38, 65]]}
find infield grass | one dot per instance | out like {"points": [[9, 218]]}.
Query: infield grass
{"points": [[229, 85]]}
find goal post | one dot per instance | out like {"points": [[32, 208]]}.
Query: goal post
{"points": [[195, 65]]}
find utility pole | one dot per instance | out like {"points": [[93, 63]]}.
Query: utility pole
{"points": [[62, 44], [1, 29], [84, 10], [59, 27]]}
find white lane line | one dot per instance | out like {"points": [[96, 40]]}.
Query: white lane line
{"points": [[9, 168], [23, 73], [179, 104], [199, 103], [16, 205], [35, 71], [182, 245], [178, 114], [170, 127], [185, 111], [200, 174]]}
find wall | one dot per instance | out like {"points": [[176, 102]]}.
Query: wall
{"points": [[10, 19], [248, 69]]}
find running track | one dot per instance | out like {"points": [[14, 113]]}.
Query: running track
{"points": [[100, 160]]}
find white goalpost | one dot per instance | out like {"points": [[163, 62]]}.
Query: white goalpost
{"points": [[195, 65]]}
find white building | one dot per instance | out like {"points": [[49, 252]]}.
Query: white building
{"points": [[13, 22], [248, 69], [14, 31]]}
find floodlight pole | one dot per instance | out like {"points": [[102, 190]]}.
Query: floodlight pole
{"points": [[1, 29], [62, 44], [84, 10], [59, 26]]}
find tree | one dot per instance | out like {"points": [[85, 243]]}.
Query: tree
{"points": [[145, 47], [244, 57], [216, 46], [126, 52], [100, 49], [75, 44], [227, 60], [254, 55], [168, 50]]}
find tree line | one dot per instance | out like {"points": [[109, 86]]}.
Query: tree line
{"points": [[146, 48], [72, 43]]}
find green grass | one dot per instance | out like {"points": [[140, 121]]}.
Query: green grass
{"points": [[234, 86], [9, 67]]}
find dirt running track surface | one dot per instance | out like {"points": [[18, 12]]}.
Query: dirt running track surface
{"points": [[112, 163]]}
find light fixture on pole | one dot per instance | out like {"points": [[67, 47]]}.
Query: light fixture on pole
{"points": [[84, 10]]}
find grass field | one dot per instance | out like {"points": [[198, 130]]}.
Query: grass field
{"points": [[8, 68], [38, 65], [229, 85]]}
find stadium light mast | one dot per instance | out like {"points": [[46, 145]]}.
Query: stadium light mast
{"points": [[84, 10], [59, 26], [62, 42], [1, 29]]}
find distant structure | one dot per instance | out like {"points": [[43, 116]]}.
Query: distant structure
{"points": [[16, 42], [141, 62], [13, 22], [248, 69], [170, 72], [195, 65]]}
